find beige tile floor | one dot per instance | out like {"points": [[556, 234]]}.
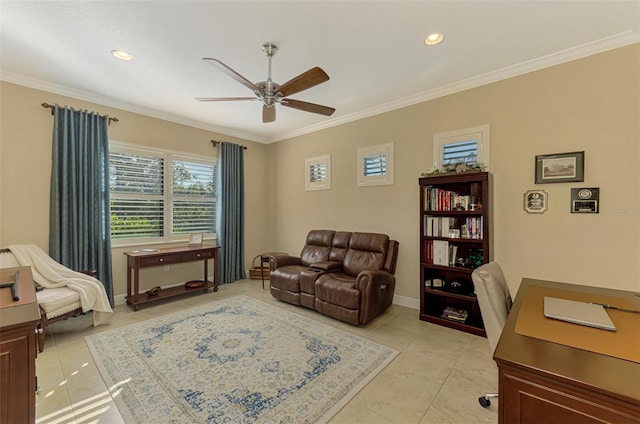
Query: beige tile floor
{"points": [[436, 378]]}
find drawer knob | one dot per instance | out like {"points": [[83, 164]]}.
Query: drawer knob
{"points": [[161, 259], [198, 255]]}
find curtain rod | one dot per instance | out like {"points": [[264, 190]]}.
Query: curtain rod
{"points": [[52, 107], [215, 143]]}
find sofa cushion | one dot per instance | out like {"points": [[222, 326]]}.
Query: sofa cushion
{"points": [[366, 251], [317, 247], [287, 277], [58, 301], [339, 246], [339, 289]]}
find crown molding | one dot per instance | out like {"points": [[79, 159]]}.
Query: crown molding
{"points": [[119, 104], [608, 43]]}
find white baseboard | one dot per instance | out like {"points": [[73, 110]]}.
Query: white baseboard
{"points": [[408, 302]]}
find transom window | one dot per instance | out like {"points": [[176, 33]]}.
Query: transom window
{"points": [[469, 145], [317, 173], [375, 165], [159, 195]]}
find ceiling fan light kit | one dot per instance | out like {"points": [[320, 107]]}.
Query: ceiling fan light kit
{"points": [[271, 93]]}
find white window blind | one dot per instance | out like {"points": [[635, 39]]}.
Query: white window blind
{"points": [[159, 195], [318, 173], [469, 145], [136, 195], [194, 203], [463, 151], [375, 165]]}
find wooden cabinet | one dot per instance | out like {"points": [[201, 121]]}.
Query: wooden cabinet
{"points": [[18, 322], [455, 238]]}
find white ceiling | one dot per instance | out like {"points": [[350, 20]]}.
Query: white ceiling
{"points": [[373, 52]]}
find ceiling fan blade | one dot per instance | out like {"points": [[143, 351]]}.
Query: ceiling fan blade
{"points": [[268, 114], [305, 80], [308, 107], [223, 99], [230, 72]]}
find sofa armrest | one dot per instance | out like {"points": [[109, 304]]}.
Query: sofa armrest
{"points": [[376, 293], [276, 262], [329, 266]]}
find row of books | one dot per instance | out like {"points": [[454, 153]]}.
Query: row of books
{"points": [[439, 226], [437, 199], [473, 228], [455, 314], [440, 252]]}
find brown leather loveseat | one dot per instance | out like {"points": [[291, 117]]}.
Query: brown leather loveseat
{"points": [[347, 276]]}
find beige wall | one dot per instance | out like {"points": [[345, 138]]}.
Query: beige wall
{"points": [[590, 104], [25, 166]]}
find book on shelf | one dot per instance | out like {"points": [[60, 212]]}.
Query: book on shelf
{"points": [[474, 227], [440, 252], [455, 314], [437, 226], [437, 199]]}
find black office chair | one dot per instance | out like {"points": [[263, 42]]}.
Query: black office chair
{"points": [[495, 303]]}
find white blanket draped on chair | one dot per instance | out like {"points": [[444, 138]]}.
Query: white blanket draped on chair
{"points": [[50, 274]]}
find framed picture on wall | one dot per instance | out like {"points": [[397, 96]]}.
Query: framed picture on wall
{"points": [[560, 168], [195, 239], [535, 201]]}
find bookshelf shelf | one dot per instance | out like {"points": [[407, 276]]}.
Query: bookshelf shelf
{"points": [[449, 261]]}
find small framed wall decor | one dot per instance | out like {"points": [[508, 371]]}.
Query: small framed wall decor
{"points": [[535, 201], [195, 239], [560, 168]]}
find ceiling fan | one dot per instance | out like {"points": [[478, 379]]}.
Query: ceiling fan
{"points": [[270, 93]]}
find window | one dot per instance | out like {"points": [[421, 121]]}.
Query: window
{"points": [[318, 173], [160, 196], [375, 165], [469, 145]]}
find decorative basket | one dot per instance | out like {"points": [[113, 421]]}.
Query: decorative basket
{"points": [[255, 272]]}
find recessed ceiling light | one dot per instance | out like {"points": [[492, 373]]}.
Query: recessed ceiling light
{"points": [[433, 39], [122, 55]]}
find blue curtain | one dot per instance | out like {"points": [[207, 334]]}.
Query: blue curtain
{"points": [[79, 230], [230, 231]]}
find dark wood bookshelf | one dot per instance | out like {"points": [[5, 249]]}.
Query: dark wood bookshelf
{"points": [[443, 191]]}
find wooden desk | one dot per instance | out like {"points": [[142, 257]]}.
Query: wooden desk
{"points": [[18, 323], [137, 259], [541, 381]]}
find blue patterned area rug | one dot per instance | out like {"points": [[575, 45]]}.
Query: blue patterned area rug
{"points": [[236, 360]]}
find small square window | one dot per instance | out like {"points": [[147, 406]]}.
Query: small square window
{"points": [[317, 171], [469, 145], [375, 165]]}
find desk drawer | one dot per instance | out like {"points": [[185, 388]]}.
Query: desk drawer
{"points": [[159, 260], [197, 256]]}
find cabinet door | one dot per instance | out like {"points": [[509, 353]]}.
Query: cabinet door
{"points": [[17, 375], [528, 399]]}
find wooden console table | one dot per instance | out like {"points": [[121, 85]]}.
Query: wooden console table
{"points": [[145, 258], [543, 381]]}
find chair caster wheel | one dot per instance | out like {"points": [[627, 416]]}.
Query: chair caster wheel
{"points": [[484, 401]]}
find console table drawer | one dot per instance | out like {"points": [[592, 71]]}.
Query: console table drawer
{"points": [[197, 256], [160, 260]]}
